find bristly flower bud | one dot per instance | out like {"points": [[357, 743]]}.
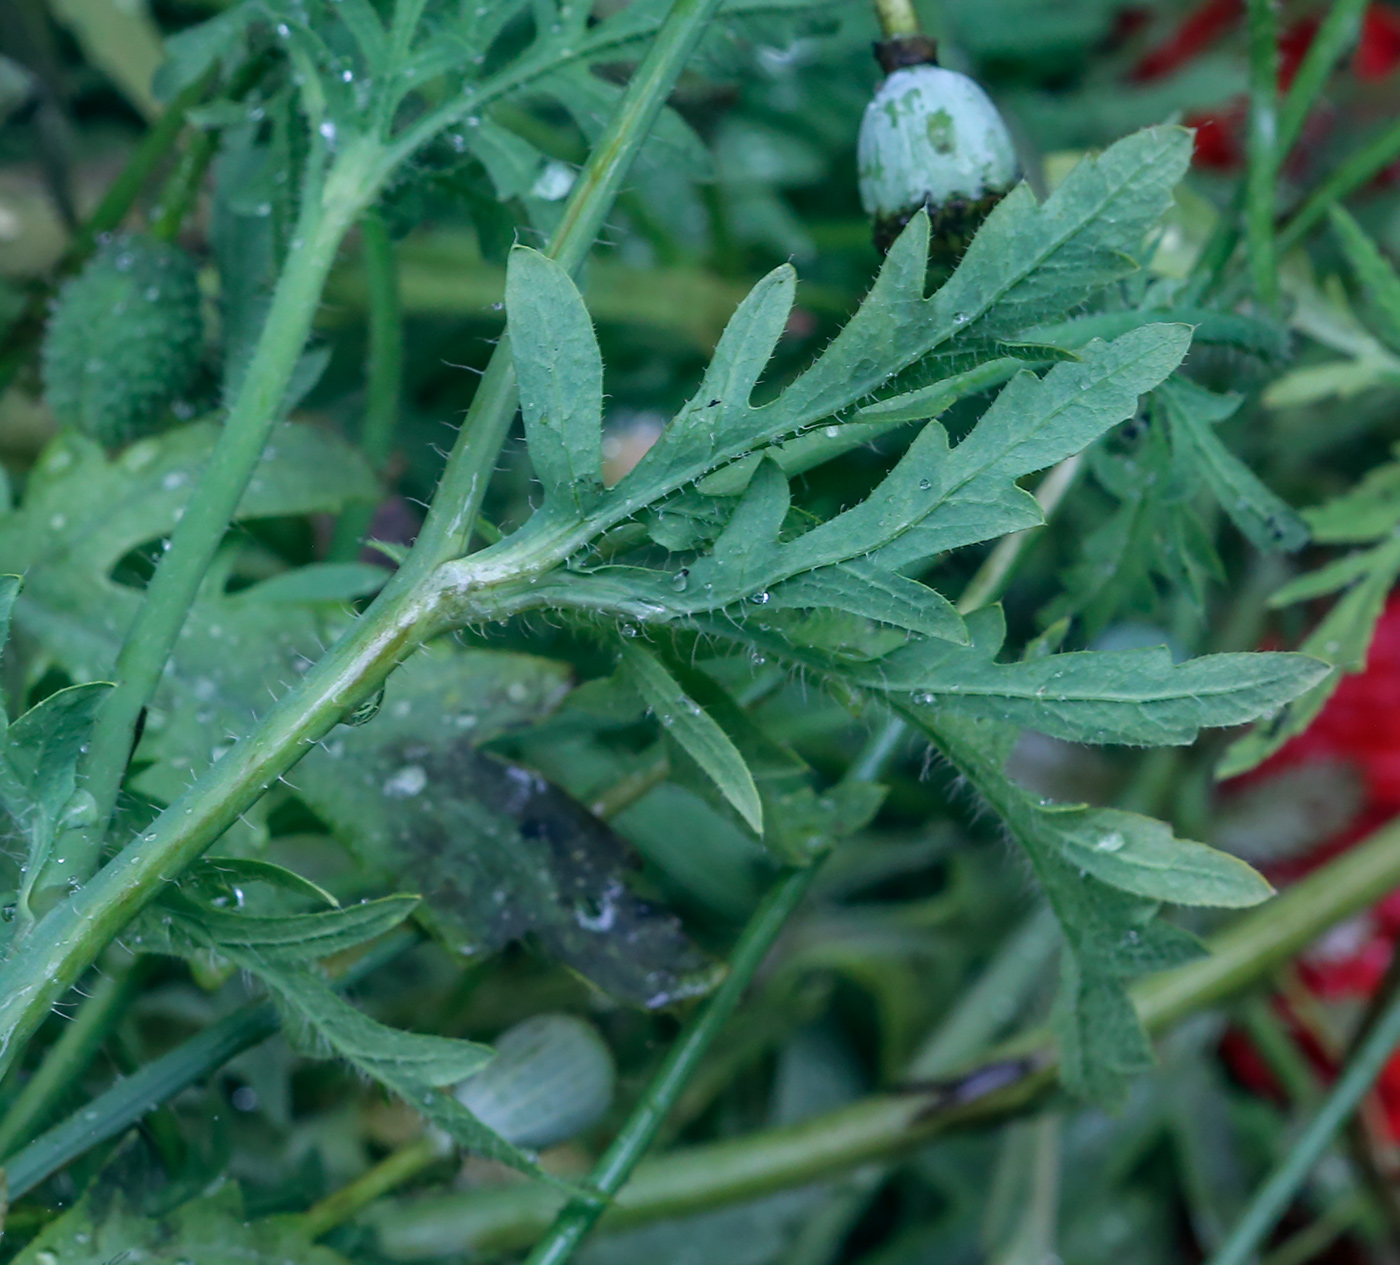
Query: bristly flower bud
{"points": [[931, 138], [124, 339]]}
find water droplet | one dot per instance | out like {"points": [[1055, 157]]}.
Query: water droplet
{"points": [[406, 782], [925, 484], [1113, 841], [760, 599], [681, 580]]}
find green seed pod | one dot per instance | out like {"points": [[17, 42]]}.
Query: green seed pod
{"points": [[552, 1078], [124, 339], [932, 138]]}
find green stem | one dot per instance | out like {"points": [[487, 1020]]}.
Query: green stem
{"points": [[574, 1222], [385, 377], [897, 18], [43, 966], [1278, 1192], [391, 1172], [887, 1125], [69, 1056], [985, 585], [178, 194], [447, 531], [122, 193], [1263, 149], [1279, 1051], [1362, 167], [130, 1098], [328, 209], [1335, 36], [1309, 1244]]}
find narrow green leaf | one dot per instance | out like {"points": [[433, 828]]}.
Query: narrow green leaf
{"points": [[1375, 272], [800, 822], [1139, 855], [1328, 578], [688, 723], [297, 937], [224, 872], [388, 1055], [1266, 520], [1132, 696], [928, 402], [718, 422], [1369, 511], [1032, 424], [561, 378], [864, 589], [414, 1066]]}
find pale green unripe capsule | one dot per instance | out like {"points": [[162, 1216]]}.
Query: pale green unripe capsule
{"points": [[552, 1077], [932, 138]]}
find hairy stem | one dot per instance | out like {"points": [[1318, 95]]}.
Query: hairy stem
{"points": [[1334, 38], [327, 211], [1263, 149], [42, 967], [447, 531]]}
